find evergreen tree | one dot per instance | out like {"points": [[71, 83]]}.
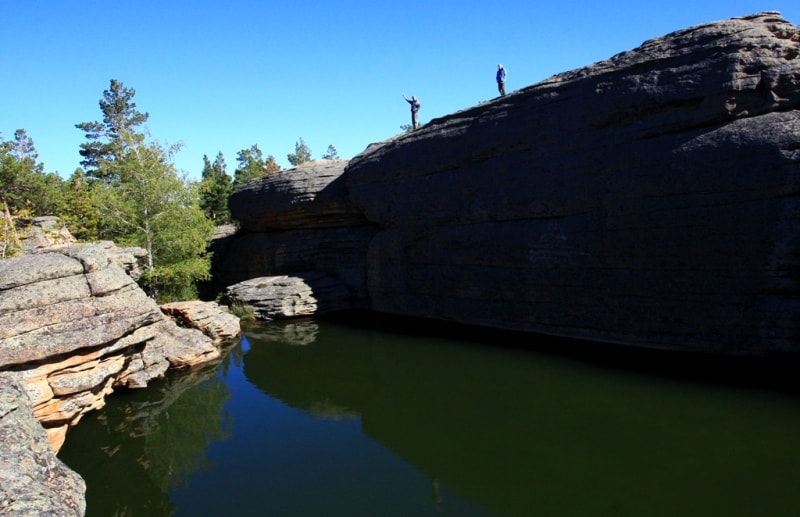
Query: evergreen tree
{"points": [[24, 186], [331, 153], [251, 166], [301, 153], [215, 188], [25, 189], [111, 139], [142, 201], [81, 211]]}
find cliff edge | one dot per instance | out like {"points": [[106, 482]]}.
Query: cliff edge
{"points": [[649, 200]]}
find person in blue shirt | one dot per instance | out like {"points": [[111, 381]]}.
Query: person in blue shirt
{"points": [[414, 109], [501, 79]]}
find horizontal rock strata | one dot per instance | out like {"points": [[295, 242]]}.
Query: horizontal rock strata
{"points": [[74, 326], [650, 200], [279, 297], [297, 221]]}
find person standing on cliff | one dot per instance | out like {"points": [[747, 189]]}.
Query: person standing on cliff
{"points": [[414, 109], [501, 80]]}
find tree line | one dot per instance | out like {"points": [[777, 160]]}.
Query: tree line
{"points": [[128, 190]]}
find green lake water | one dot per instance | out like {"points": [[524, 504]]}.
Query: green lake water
{"points": [[395, 417]]}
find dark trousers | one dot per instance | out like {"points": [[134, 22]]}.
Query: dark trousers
{"points": [[501, 87]]}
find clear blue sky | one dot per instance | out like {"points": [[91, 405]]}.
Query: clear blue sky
{"points": [[224, 75]]}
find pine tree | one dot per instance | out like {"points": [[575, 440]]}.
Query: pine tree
{"points": [[215, 188], [25, 189], [111, 139], [143, 202], [301, 153], [331, 153], [80, 208], [251, 166]]}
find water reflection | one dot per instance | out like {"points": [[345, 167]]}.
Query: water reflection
{"points": [[326, 418], [515, 431], [145, 443]]}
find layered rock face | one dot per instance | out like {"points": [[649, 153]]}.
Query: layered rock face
{"points": [[33, 481], [299, 222], [652, 200], [648, 200], [74, 326]]}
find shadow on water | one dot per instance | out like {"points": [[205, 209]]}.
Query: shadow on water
{"points": [[511, 423], [775, 373], [530, 426]]}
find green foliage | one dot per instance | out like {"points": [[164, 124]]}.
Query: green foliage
{"points": [[215, 188], [23, 183], [301, 153], [81, 209], [251, 166], [25, 189], [148, 205], [110, 140], [139, 199], [243, 312], [331, 153]]}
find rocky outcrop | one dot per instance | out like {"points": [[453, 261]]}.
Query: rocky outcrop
{"points": [[210, 318], [279, 297], [43, 232], [647, 200], [74, 326], [299, 220], [33, 481]]}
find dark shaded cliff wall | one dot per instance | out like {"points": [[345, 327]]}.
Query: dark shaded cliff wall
{"points": [[651, 199]]}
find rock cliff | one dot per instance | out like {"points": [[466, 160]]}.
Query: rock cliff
{"points": [[74, 326], [649, 200], [302, 223]]}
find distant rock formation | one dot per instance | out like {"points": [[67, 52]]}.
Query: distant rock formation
{"points": [[649, 200]]}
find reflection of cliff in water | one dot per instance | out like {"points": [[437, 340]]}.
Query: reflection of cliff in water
{"points": [[512, 429], [159, 436]]}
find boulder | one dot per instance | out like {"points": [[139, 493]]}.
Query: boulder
{"points": [[303, 294], [43, 232]]}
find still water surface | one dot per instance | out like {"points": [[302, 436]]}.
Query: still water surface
{"points": [[324, 417]]}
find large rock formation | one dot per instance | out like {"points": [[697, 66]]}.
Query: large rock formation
{"points": [[295, 222], [649, 200], [74, 326]]}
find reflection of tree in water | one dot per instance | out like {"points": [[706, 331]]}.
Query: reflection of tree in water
{"points": [[157, 437], [180, 432]]}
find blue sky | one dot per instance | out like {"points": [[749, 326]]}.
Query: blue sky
{"points": [[222, 76]]}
